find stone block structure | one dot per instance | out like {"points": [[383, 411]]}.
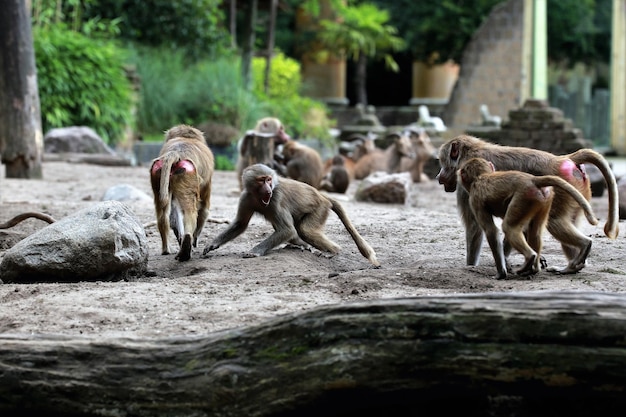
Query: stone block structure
{"points": [[535, 125], [491, 68]]}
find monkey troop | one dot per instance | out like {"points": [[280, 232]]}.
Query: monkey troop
{"points": [[522, 201], [564, 211], [181, 183], [296, 210]]}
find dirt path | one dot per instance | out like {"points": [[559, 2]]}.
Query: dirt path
{"points": [[420, 246]]}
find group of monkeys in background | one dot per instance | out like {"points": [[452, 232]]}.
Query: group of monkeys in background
{"points": [[531, 190], [408, 151]]}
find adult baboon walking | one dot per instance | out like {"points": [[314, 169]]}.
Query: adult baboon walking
{"points": [[181, 183], [523, 203], [564, 213]]}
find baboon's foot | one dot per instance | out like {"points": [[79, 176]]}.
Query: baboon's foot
{"points": [[185, 249]]}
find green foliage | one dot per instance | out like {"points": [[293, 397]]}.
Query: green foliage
{"points": [[174, 90], [302, 116], [437, 31], [82, 81], [193, 25], [361, 30], [223, 163], [579, 31], [49, 13], [284, 80]]}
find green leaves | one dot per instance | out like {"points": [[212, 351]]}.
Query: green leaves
{"points": [[82, 82], [361, 29]]}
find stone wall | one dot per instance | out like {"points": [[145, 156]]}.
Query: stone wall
{"points": [[491, 68], [536, 125]]}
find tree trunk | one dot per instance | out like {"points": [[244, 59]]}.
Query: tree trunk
{"points": [[248, 43], [256, 149], [361, 79], [270, 45], [21, 139], [528, 354], [233, 23]]}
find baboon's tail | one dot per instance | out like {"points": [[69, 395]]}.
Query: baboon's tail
{"points": [[364, 247], [169, 159], [21, 217], [582, 156], [553, 180]]}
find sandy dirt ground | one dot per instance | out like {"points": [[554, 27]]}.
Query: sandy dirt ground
{"points": [[420, 246]]}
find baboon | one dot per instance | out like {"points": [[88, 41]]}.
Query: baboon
{"points": [[351, 151], [337, 178], [564, 212], [181, 183], [423, 150], [302, 163], [261, 146], [387, 160], [523, 203], [296, 210]]}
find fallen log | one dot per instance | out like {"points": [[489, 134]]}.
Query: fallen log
{"points": [[544, 353]]}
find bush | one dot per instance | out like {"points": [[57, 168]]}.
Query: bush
{"points": [[175, 90], [302, 116], [82, 82], [193, 25]]}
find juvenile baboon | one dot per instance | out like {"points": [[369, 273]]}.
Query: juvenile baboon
{"points": [[351, 151], [261, 146], [423, 150], [181, 183], [297, 211], [523, 203], [337, 179], [302, 163], [387, 160], [564, 212]]}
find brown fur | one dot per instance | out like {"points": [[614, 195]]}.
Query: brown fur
{"points": [[387, 160], [361, 147], [423, 150], [297, 211], [302, 163], [182, 196], [522, 201], [337, 179], [564, 212]]}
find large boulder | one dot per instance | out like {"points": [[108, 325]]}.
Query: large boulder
{"points": [[75, 139], [103, 242]]}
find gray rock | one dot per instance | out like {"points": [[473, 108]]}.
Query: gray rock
{"points": [[125, 192], [381, 187], [102, 242], [75, 139]]}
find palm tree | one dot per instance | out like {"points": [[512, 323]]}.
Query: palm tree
{"points": [[361, 32]]}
